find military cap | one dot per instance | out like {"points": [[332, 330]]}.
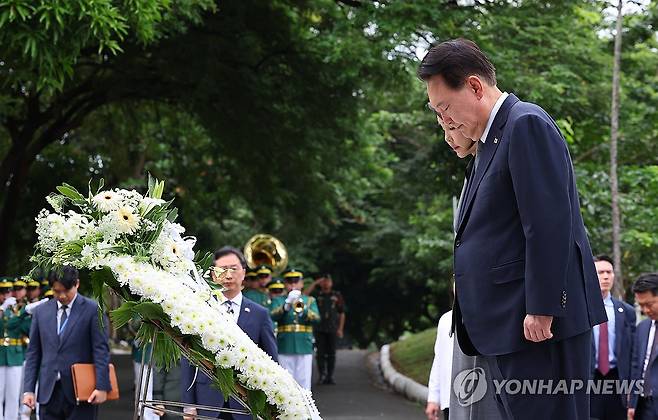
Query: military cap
{"points": [[251, 274], [49, 294], [19, 284], [276, 284], [292, 273], [263, 269]]}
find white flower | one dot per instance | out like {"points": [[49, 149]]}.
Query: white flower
{"points": [[107, 201], [126, 220]]}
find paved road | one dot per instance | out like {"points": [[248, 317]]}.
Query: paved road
{"points": [[354, 398]]}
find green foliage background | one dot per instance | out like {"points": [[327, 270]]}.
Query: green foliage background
{"points": [[304, 119]]}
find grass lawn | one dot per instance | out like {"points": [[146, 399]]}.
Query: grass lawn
{"points": [[413, 355]]}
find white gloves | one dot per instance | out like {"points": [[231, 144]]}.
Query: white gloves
{"points": [[293, 296], [10, 301], [32, 306]]}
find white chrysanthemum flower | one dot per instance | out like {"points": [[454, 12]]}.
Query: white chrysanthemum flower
{"points": [[107, 201], [126, 220]]}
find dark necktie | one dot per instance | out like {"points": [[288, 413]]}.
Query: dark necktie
{"points": [[62, 320], [604, 363], [229, 307]]}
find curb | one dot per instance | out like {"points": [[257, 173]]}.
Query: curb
{"points": [[411, 389]]}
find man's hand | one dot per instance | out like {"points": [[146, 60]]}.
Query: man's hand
{"points": [[28, 399], [189, 410], [630, 414], [432, 411], [339, 333], [537, 328], [97, 397], [160, 410]]}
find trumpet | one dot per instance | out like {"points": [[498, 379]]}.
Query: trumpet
{"points": [[298, 306]]}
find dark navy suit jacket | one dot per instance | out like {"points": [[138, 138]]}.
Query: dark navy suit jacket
{"points": [[81, 341], [520, 244], [255, 321], [625, 320], [639, 353]]}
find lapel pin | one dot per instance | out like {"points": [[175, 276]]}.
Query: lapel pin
{"points": [[495, 140], [247, 310], [620, 309]]}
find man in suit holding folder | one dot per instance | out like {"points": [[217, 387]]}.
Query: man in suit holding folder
{"points": [[65, 331], [527, 293]]}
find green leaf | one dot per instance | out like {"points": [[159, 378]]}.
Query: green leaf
{"points": [[123, 314], [225, 381], [70, 192], [257, 401], [150, 311]]}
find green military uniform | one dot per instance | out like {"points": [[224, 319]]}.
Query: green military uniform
{"points": [[15, 327], [295, 329], [258, 296], [16, 330]]}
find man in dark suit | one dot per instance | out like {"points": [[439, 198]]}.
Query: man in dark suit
{"points": [[64, 331], [612, 346], [527, 294], [251, 317], [645, 367]]}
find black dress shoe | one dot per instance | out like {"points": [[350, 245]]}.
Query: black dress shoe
{"points": [[329, 381]]}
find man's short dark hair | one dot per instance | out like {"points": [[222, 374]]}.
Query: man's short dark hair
{"points": [[455, 60], [228, 250], [646, 283], [604, 258], [67, 276]]}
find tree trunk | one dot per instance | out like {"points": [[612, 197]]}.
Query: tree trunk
{"points": [[614, 136]]}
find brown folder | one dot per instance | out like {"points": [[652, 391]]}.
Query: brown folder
{"points": [[84, 381]]}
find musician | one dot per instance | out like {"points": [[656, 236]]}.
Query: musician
{"points": [[296, 314], [12, 354], [257, 281], [33, 290]]}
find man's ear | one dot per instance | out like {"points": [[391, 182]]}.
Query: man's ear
{"points": [[476, 86]]}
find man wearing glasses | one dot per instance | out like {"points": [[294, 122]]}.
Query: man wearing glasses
{"points": [[252, 318]]}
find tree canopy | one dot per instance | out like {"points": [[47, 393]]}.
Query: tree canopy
{"points": [[304, 119]]}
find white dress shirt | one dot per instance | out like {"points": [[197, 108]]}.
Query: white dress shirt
{"points": [[235, 303], [440, 375], [68, 314], [647, 356], [492, 115]]}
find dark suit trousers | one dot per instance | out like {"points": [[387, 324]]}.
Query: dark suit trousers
{"points": [[647, 409], [568, 359], [607, 406], [59, 408]]}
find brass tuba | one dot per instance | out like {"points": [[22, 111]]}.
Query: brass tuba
{"points": [[266, 249]]}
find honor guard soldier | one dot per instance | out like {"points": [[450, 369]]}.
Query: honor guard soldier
{"points": [[33, 291], [296, 314], [276, 288], [15, 327], [330, 329], [259, 294]]}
